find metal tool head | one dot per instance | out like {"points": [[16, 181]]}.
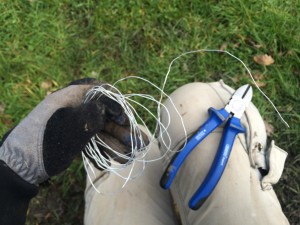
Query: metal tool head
{"points": [[239, 101]]}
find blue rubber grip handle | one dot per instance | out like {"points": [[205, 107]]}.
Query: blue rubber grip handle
{"points": [[232, 128], [216, 118]]}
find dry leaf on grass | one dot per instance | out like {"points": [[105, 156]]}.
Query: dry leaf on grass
{"points": [[264, 60], [259, 78], [46, 85], [236, 45], [261, 84], [258, 75], [269, 128], [223, 46], [254, 44]]}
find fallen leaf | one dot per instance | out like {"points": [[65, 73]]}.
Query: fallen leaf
{"points": [[260, 84], [259, 79], [264, 60], [258, 76], [254, 44], [223, 46], [269, 128], [46, 85], [236, 45]]}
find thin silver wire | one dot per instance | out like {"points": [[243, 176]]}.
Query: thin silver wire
{"points": [[125, 100]]}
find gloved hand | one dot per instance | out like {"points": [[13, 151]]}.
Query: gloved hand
{"points": [[47, 140]]}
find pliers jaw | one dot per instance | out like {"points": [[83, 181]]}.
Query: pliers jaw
{"points": [[239, 101]]}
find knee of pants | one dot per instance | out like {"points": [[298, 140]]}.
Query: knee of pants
{"points": [[187, 108], [238, 197]]}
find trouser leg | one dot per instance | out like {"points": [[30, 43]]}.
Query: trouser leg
{"points": [[238, 197], [141, 201]]}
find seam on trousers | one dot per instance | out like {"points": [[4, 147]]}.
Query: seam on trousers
{"points": [[184, 217], [100, 178], [247, 146]]}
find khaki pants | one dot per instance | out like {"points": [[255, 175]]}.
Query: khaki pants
{"points": [[242, 195]]}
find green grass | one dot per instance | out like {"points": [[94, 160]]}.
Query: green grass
{"points": [[60, 41]]}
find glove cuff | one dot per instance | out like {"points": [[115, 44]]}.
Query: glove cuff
{"points": [[15, 194]]}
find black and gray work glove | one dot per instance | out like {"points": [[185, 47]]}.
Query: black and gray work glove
{"points": [[47, 140]]}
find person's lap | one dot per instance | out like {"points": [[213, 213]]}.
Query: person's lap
{"points": [[238, 197]]}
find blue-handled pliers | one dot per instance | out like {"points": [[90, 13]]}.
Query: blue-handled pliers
{"points": [[231, 113]]}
